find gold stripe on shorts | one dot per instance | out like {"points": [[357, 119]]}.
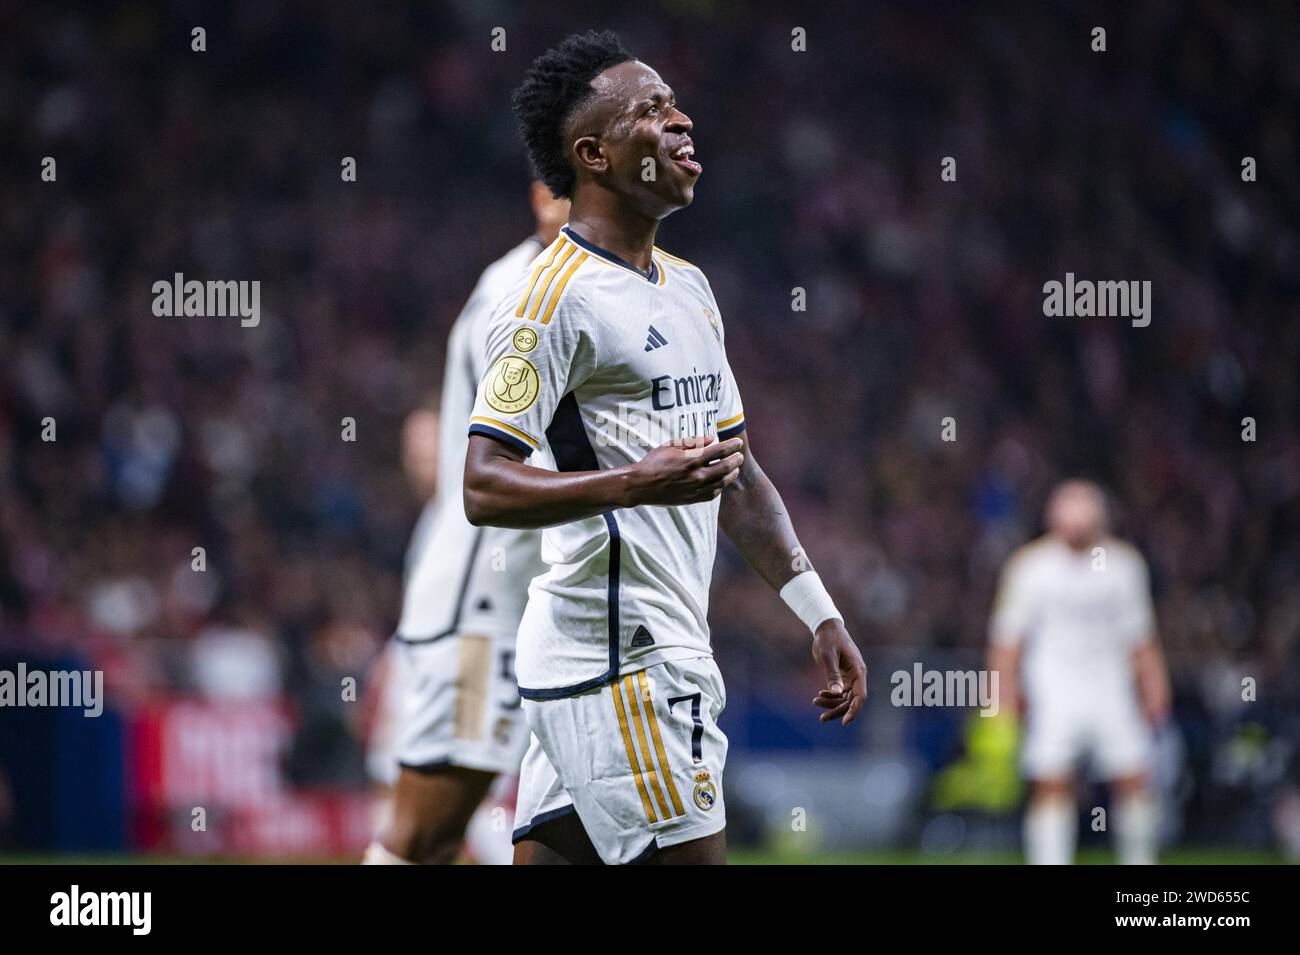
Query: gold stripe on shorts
{"points": [[472, 679], [659, 743], [631, 752], [629, 684]]}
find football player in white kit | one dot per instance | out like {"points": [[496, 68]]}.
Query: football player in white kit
{"points": [[1073, 638], [459, 723], [610, 353]]}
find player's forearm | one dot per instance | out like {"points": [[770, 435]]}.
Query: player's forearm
{"points": [[505, 493], [502, 491], [1152, 680], [1005, 662], [755, 520]]}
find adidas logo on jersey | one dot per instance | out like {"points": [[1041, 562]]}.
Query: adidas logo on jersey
{"points": [[654, 339], [642, 638]]}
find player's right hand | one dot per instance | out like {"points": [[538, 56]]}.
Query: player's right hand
{"points": [[685, 471]]}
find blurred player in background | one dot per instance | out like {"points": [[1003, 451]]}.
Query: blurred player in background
{"points": [[1073, 614], [610, 353], [459, 724], [382, 702]]}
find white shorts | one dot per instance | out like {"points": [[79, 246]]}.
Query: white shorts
{"points": [[1114, 739], [460, 704], [639, 760]]}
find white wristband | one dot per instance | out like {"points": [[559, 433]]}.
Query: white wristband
{"points": [[806, 595]]}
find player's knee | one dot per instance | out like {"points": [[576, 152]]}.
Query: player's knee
{"points": [[708, 850], [1129, 787], [422, 840], [1052, 789], [531, 852]]}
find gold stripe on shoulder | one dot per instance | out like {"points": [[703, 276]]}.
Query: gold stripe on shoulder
{"points": [[537, 273], [559, 289], [570, 248]]}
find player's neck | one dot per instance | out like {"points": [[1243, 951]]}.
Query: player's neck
{"points": [[627, 234], [1078, 545]]}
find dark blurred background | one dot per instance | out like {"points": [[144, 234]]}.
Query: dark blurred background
{"points": [[821, 172]]}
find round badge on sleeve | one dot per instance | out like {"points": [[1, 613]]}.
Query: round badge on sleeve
{"points": [[512, 385], [525, 340]]}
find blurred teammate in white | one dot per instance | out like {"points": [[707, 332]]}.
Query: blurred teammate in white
{"points": [[382, 702], [1073, 638], [459, 724]]}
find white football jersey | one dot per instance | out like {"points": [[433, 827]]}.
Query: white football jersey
{"points": [[1079, 619], [462, 577], [601, 362]]}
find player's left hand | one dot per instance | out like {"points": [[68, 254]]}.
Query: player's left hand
{"points": [[846, 673]]}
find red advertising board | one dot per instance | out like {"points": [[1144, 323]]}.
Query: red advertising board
{"points": [[208, 779]]}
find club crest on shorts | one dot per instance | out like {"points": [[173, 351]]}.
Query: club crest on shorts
{"points": [[706, 794], [512, 385]]}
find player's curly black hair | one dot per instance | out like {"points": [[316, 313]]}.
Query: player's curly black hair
{"points": [[554, 86]]}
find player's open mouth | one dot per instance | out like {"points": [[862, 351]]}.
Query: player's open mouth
{"points": [[682, 157]]}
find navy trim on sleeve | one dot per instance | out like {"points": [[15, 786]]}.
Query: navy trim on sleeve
{"points": [[503, 437], [731, 432]]}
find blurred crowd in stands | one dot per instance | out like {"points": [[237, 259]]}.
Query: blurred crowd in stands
{"points": [[924, 301]]}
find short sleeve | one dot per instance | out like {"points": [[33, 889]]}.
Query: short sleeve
{"points": [[731, 411], [1013, 608], [531, 365]]}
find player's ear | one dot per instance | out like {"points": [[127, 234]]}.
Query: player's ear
{"points": [[590, 154]]}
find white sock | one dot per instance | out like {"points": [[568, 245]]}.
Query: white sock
{"points": [[1135, 829], [376, 854], [1051, 828]]}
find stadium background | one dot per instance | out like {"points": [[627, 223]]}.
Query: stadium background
{"points": [[822, 171]]}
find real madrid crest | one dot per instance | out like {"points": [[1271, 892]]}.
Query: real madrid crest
{"points": [[706, 794]]}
